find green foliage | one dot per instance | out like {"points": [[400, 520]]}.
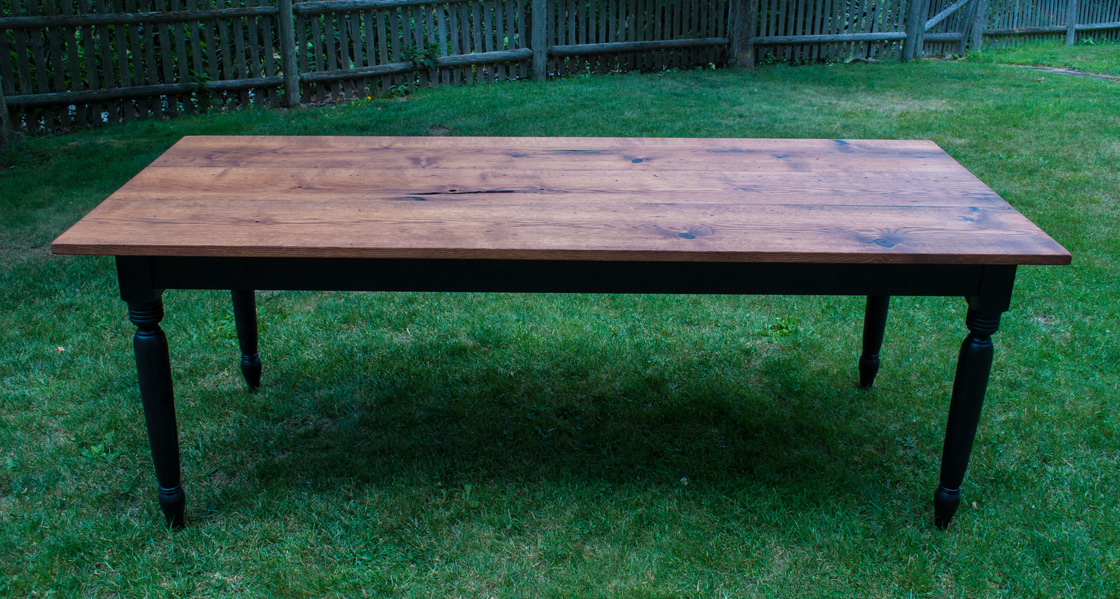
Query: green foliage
{"points": [[423, 57], [400, 90], [435, 445]]}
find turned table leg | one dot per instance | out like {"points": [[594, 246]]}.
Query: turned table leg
{"points": [[245, 315], [874, 325], [974, 363], [153, 369]]}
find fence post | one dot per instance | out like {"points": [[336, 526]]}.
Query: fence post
{"points": [[743, 15], [969, 17], [923, 16], [541, 17], [288, 55], [915, 31], [1071, 23], [977, 41]]}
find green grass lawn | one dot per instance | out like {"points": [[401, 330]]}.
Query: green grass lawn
{"points": [[431, 445], [1095, 57]]}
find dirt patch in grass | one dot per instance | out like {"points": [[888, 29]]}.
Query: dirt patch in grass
{"points": [[1066, 71]]}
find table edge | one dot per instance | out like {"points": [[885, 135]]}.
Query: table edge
{"points": [[592, 255]]}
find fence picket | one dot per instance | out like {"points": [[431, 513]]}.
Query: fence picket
{"points": [[589, 26], [238, 33], [7, 83], [522, 37], [828, 27], [502, 70], [337, 57], [315, 46], [419, 40], [113, 107], [671, 27], [143, 62], [92, 79], [151, 74], [361, 33], [23, 67], [465, 37], [57, 70], [661, 31], [512, 34], [351, 50], [331, 41], [167, 67], [303, 57], [35, 40], [225, 64], [253, 60], [644, 21], [5, 124], [133, 61], [193, 34], [264, 47], [128, 43], [342, 26], [354, 26], [783, 29], [487, 37], [209, 36], [382, 43], [371, 45], [269, 51], [370, 40], [444, 74], [397, 40], [454, 40], [81, 113], [800, 52], [34, 84]]}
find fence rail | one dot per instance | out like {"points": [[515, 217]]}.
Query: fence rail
{"points": [[179, 16], [73, 63]]}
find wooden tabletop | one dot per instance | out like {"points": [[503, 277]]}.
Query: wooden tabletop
{"points": [[655, 199]]}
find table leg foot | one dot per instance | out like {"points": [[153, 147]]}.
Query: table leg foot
{"points": [[874, 326], [153, 369], [245, 315], [172, 502], [945, 503], [974, 364]]}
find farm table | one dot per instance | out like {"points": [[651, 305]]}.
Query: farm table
{"points": [[874, 218]]}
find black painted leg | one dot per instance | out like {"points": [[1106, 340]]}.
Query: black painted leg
{"points": [[153, 368], [245, 315], [974, 364], [874, 325]]}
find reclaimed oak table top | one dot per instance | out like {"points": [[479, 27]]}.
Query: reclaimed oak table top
{"points": [[649, 199], [751, 216]]}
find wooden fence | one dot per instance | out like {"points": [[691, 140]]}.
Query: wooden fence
{"points": [[72, 63], [1012, 22]]}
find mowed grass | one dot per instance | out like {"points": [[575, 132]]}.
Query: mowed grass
{"points": [[1087, 56], [447, 445]]}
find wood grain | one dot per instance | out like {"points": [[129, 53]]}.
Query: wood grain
{"points": [[719, 200]]}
